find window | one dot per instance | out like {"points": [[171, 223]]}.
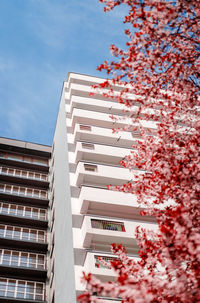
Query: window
{"points": [[135, 134], [29, 212], [14, 258], [90, 167], [5, 257], [87, 145], [108, 225], [21, 233], [1, 187], [23, 173], [3, 284], [10, 288], [23, 211], [22, 158], [23, 191], [15, 190], [9, 232], [20, 210], [4, 208], [85, 127], [40, 161], [22, 289], [22, 259], [42, 214], [12, 209], [17, 232], [4, 170], [44, 177], [43, 194], [1, 230], [16, 172]]}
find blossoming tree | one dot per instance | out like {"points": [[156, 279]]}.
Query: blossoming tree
{"points": [[159, 79]]}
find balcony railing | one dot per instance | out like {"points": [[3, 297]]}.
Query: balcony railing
{"points": [[22, 259], [108, 225], [23, 173], [25, 159], [23, 191], [23, 211], [21, 233], [21, 289], [99, 261]]}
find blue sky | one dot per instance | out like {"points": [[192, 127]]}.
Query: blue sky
{"points": [[41, 41]]}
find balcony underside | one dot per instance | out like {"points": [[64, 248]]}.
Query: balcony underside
{"points": [[23, 199], [23, 221], [103, 241], [33, 182], [21, 244], [103, 202], [16, 272], [13, 300], [20, 164]]}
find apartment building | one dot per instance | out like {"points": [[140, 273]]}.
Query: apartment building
{"points": [[24, 201], [87, 217], [57, 217]]}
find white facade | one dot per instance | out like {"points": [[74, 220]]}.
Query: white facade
{"points": [[95, 215]]}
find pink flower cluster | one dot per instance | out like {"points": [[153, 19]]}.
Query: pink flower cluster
{"points": [[159, 76]]}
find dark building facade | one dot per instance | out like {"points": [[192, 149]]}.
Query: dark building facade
{"points": [[24, 228]]}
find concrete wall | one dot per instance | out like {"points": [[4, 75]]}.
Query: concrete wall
{"points": [[26, 147], [64, 257]]}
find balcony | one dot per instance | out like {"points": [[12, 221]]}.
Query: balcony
{"points": [[104, 106], [103, 202], [101, 175], [23, 176], [94, 266], [100, 233], [99, 153], [12, 290], [83, 89], [22, 264], [27, 194], [23, 211], [26, 234], [15, 236], [101, 270], [100, 135], [24, 161], [101, 273], [30, 215], [82, 116]]}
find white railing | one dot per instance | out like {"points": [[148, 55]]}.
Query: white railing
{"points": [[23, 211], [23, 173], [21, 289], [22, 259], [23, 191], [22, 233]]}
